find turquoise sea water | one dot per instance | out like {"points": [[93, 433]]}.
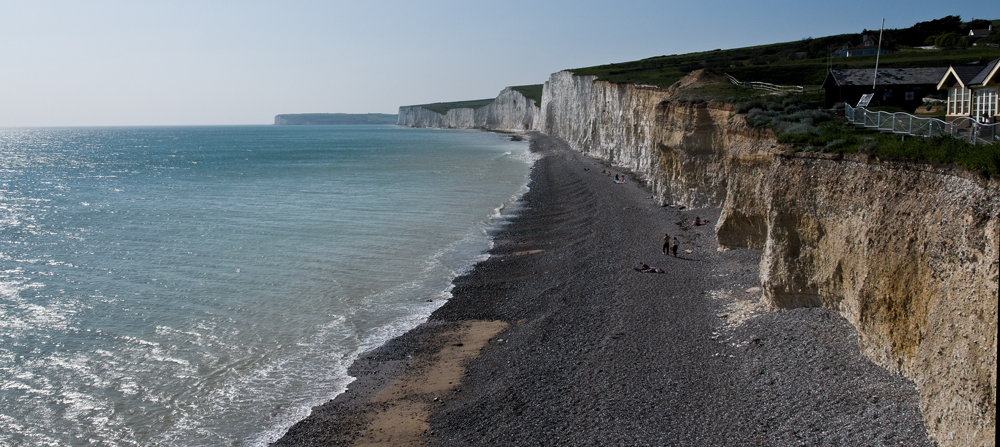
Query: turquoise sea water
{"points": [[208, 285]]}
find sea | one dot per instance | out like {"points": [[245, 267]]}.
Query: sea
{"points": [[207, 286]]}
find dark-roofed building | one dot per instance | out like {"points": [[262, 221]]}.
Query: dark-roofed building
{"points": [[973, 91], [979, 33], [899, 87], [869, 46]]}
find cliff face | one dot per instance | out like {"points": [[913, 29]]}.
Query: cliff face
{"points": [[416, 116], [612, 122], [682, 150], [511, 111], [907, 252]]}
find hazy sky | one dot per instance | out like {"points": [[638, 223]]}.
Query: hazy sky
{"points": [[99, 63]]}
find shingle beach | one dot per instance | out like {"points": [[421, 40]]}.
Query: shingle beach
{"points": [[557, 340]]}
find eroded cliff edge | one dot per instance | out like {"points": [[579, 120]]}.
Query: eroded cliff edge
{"points": [[905, 251]]}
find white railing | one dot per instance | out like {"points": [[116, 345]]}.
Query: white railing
{"points": [[904, 123], [773, 88]]}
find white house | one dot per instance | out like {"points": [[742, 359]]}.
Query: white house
{"points": [[973, 91]]}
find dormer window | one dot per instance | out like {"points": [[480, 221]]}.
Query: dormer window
{"points": [[958, 100]]}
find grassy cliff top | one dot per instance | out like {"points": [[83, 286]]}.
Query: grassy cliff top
{"points": [[775, 64], [805, 62], [529, 91], [444, 107]]}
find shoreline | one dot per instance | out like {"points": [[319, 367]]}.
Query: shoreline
{"points": [[595, 353]]}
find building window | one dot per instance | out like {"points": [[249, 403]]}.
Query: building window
{"points": [[958, 101], [985, 104]]}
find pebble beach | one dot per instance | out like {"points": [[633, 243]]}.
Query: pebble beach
{"points": [[557, 339]]}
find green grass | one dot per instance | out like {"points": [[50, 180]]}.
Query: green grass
{"points": [[530, 92], [444, 107], [775, 63], [840, 137], [798, 122]]}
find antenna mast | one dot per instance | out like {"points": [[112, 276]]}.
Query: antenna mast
{"points": [[878, 53]]}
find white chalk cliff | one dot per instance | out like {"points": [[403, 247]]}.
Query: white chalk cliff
{"points": [[511, 111]]}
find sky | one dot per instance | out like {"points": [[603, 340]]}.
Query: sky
{"points": [[139, 62]]}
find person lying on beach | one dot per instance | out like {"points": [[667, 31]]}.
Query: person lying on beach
{"points": [[647, 269], [698, 221]]}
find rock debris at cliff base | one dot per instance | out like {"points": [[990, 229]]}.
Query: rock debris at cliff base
{"points": [[599, 354]]}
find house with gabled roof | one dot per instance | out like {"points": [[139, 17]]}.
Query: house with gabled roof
{"points": [[982, 35], [868, 47], [842, 51], [973, 91], [900, 87], [985, 32]]}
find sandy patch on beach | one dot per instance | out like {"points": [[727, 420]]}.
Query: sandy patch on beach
{"points": [[527, 252], [402, 408], [740, 309]]}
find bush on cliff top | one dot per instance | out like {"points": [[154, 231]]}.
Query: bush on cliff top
{"points": [[789, 115], [806, 128], [984, 158], [840, 137]]}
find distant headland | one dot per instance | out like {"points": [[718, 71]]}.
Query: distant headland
{"points": [[302, 119]]}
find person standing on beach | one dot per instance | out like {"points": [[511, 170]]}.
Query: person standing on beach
{"points": [[673, 246], [666, 242]]}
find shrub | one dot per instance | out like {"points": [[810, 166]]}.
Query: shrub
{"points": [[795, 128], [867, 145], [817, 116], [792, 109], [947, 40], [801, 122], [771, 105], [783, 114], [792, 101], [942, 149], [835, 144], [760, 117], [745, 107], [834, 136]]}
